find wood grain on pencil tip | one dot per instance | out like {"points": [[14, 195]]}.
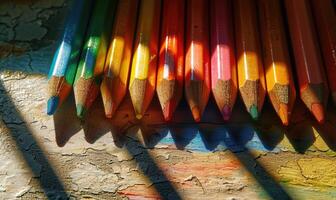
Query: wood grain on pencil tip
{"points": [[251, 78], [309, 66], [279, 80], [118, 61], [197, 61], [223, 61], [171, 64], [144, 63], [91, 64]]}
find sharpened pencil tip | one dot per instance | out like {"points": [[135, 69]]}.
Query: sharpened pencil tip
{"points": [[254, 112], [283, 114], [226, 112], [109, 109], [139, 116], [168, 111], [81, 110], [52, 105], [196, 112], [318, 112]]}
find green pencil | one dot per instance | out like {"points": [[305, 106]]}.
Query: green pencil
{"points": [[91, 64]]}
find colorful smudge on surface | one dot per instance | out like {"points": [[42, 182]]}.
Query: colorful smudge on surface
{"points": [[46, 157]]}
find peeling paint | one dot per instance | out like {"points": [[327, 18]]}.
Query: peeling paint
{"points": [[44, 157]]}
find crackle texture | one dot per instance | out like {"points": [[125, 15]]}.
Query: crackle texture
{"points": [[61, 157]]}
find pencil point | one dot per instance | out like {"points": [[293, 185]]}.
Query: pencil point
{"points": [[80, 110], [226, 112], [196, 113], [254, 112], [139, 116], [318, 111], [283, 114], [168, 112], [109, 109], [52, 105]]}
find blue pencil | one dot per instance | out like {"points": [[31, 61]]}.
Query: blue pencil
{"points": [[64, 65]]}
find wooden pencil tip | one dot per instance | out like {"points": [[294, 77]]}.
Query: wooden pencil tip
{"points": [[196, 112], [226, 113], [109, 109], [254, 112], [138, 93], [168, 111], [318, 112], [284, 114], [81, 110], [138, 116], [52, 105]]}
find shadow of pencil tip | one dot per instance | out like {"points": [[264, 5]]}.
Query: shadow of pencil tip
{"points": [[149, 168], [34, 154]]}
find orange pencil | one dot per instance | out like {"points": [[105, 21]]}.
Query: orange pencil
{"points": [[251, 78], [279, 78], [325, 18], [223, 59], [118, 61], [309, 68], [145, 56], [197, 64], [171, 66]]}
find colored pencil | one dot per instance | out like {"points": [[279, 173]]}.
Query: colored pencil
{"points": [[171, 65], [251, 78], [325, 18], [63, 68], [223, 59], [91, 65], [145, 57], [197, 61], [309, 68], [279, 78], [118, 61]]}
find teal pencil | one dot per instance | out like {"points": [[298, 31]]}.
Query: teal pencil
{"points": [[63, 68], [91, 64]]}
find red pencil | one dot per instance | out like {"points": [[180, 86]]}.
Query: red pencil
{"points": [[197, 65], [325, 18], [309, 68], [223, 62], [171, 66]]}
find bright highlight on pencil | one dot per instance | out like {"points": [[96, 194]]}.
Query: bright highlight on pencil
{"points": [[118, 61], [145, 57]]}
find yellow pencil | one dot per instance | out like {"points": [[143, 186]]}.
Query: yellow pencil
{"points": [[144, 63], [117, 66]]}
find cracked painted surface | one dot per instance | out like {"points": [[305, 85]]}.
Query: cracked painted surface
{"points": [[60, 157]]}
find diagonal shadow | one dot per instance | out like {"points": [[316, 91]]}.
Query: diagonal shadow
{"points": [[33, 155], [149, 168], [268, 183]]}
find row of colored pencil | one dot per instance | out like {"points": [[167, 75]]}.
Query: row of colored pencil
{"points": [[216, 49]]}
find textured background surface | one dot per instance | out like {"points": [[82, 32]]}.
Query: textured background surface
{"points": [[61, 157]]}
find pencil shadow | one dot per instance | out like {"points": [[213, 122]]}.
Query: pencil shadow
{"points": [[149, 168], [155, 129], [300, 133], [33, 154], [268, 183], [238, 140], [328, 129], [95, 124], [66, 122], [269, 128]]}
